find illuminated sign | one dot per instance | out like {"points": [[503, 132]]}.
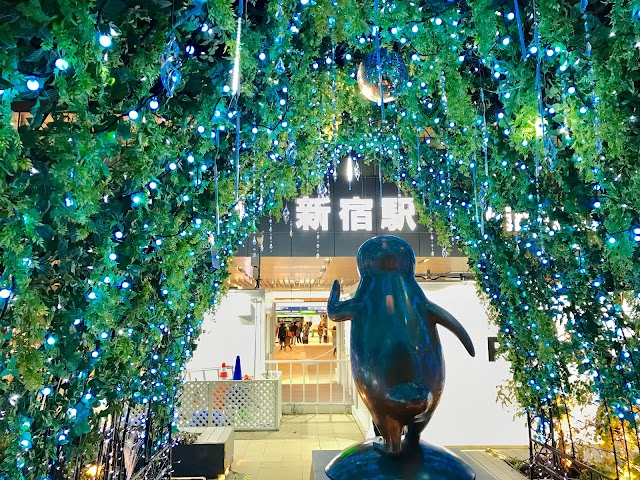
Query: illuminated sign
{"points": [[513, 221], [313, 213], [301, 309], [338, 221], [396, 211], [356, 214]]}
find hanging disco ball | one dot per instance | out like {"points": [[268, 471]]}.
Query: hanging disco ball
{"points": [[395, 75]]}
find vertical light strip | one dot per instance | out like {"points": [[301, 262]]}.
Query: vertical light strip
{"points": [[520, 32], [235, 88], [235, 82], [215, 180], [485, 151], [376, 30], [536, 34]]}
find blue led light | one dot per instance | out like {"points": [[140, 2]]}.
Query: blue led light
{"points": [[104, 40], [33, 84], [61, 64]]}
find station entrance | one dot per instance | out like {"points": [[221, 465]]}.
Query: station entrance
{"points": [[310, 350]]}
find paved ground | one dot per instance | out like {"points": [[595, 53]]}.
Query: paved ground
{"points": [[286, 454]]}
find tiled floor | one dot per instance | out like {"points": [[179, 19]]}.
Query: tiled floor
{"points": [[286, 454]]}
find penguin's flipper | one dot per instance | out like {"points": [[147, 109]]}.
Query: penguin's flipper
{"points": [[340, 311], [448, 321]]}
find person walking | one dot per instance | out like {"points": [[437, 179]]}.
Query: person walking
{"points": [[320, 331], [298, 332], [305, 332], [282, 335], [292, 332], [334, 338]]}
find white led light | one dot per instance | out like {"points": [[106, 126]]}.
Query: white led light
{"points": [[105, 41], [33, 84], [61, 64]]}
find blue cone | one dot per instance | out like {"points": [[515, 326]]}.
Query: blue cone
{"points": [[237, 371]]}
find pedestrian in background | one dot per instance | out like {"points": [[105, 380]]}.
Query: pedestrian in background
{"points": [[282, 335], [334, 338]]}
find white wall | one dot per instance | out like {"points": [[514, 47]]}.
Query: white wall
{"points": [[468, 413], [236, 328]]}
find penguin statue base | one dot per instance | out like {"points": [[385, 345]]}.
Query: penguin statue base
{"points": [[420, 462]]}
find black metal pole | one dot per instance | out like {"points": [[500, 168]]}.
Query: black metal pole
{"points": [[531, 460]]}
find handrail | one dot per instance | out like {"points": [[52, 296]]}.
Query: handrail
{"points": [[263, 376], [329, 374], [272, 362], [188, 373], [574, 460]]}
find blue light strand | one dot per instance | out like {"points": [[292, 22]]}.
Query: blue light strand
{"points": [[523, 48], [380, 84], [237, 147]]}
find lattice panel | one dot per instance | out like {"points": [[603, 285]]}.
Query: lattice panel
{"points": [[194, 405], [244, 405]]}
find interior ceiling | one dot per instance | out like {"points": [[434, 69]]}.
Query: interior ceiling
{"points": [[310, 273]]}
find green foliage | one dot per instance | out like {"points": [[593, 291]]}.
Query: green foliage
{"points": [[70, 171]]}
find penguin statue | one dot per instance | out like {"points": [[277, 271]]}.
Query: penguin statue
{"points": [[396, 356]]}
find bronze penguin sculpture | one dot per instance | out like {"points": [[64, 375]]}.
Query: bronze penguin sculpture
{"points": [[396, 356]]}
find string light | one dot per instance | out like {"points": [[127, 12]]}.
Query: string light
{"points": [[61, 64], [33, 84], [437, 174], [104, 40]]}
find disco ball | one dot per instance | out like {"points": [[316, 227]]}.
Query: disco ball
{"points": [[395, 75]]}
